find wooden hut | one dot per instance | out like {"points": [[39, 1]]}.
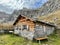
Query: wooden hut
{"points": [[30, 29]]}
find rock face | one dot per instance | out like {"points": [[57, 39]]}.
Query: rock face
{"points": [[27, 12], [50, 6]]}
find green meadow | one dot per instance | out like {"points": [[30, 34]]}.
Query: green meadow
{"points": [[10, 39]]}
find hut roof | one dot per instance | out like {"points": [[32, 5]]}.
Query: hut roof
{"points": [[52, 25], [35, 21]]}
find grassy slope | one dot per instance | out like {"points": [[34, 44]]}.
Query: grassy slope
{"points": [[8, 39], [53, 17]]}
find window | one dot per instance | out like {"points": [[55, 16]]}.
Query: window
{"points": [[25, 27]]}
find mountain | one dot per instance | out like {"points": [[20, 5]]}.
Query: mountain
{"points": [[49, 7], [30, 13], [3, 16], [49, 13]]}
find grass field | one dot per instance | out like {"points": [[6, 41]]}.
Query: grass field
{"points": [[10, 39]]}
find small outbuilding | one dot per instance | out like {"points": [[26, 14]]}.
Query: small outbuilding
{"points": [[28, 28]]}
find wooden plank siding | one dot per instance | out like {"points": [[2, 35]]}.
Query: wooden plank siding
{"points": [[25, 22]]}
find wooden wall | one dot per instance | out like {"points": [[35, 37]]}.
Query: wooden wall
{"points": [[24, 21]]}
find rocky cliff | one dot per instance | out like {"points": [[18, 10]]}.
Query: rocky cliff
{"points": [[49, 7]]}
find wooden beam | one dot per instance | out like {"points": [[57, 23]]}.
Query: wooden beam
{"points": [[41, 38], [44, 29]]}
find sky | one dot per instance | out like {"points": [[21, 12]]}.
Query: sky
{"points": [[9, 6]]}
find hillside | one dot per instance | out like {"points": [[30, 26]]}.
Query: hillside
{"points": [[54, 17]]}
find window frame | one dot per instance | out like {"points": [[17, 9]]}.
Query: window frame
{"points": [[25, 27]]}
